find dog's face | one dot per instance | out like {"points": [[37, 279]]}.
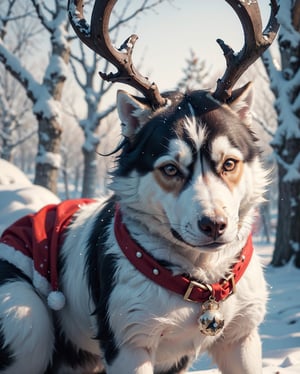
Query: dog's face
{"points": [[190, 171]]}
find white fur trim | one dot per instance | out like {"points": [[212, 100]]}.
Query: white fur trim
{"points": [[17, 258], [56, 300], [41, 283], [25, 264]]}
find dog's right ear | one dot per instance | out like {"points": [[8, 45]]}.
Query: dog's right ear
{"points": [[241, 102], [132, 113]]}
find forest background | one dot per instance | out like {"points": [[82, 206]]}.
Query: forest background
{"points": [[57, 115]]}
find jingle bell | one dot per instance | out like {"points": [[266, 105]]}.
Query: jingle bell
{"points": [[210, 320]]}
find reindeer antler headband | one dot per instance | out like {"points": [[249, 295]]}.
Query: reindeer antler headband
{"points": [[96, 37]]}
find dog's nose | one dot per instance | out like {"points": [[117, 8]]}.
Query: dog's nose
{"points": [[213, 226]]}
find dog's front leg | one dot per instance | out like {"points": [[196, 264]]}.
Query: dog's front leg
{"points": [[239, 357], [131, 360]]}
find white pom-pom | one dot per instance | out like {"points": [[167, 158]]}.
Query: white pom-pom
{"points": [[56, 300]]}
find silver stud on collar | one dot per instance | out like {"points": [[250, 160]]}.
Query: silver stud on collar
{"points": [[139, 254], [155, 271]]}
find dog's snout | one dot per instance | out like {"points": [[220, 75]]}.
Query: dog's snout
{"points": [[213, 226]]}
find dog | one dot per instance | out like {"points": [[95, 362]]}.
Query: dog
{"points": [[159, 272]]}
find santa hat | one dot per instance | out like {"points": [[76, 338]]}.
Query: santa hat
{"points": [[32, 244]]}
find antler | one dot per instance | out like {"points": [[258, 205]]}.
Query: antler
{"points": [[256, 42], [96, 37]]}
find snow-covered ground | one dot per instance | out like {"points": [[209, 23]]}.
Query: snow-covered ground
{"points": [[18, 196], [281, 329]]}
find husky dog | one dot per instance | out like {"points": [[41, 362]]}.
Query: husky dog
{"points": [[144, 281], [187, 185]]}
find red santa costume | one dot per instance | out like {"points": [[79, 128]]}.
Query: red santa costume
{"points": [[32, 244]]}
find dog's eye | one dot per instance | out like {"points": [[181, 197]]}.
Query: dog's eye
{"points": [[170, 170], [229, 164]]}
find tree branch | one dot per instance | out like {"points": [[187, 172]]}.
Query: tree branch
{"points": [[144, 7], [106, 112], [6, 18], [37, 6], [75, 73], [19, 72]]}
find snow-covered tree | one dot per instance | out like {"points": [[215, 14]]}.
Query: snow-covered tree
{"points": [[15, 108], [45, 92], [94, 94], [285, 84], [85, 68], [14, 116]]}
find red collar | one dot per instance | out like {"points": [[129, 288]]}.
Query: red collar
{"points": [[190, 290]]}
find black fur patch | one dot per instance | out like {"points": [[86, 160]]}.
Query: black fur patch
{"points": [[66, 353], [178, 367], [8, 273], [6, 358], [152, 141], [101, 269]]}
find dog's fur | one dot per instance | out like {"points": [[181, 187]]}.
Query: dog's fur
{"points": [[177, 165]]}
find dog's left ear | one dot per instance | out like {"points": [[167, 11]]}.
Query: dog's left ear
{"points": [[241, 102], [133, 113]]}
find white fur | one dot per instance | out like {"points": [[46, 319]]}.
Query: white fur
{"points": [[28, 328], [25, 263], [222, 147], [196, 133], [80, 327]]}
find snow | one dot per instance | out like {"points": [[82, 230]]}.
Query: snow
{"points": [[80, 23], [280, 331], [10, 174], [53, 159], [284, 18], [18, 196], [56, 69], [45, 106]]}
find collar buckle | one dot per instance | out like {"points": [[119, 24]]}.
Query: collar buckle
{"points": [[231, 282], [192, 284]]}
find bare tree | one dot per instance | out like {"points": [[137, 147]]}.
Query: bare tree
{"points": [[85, 68], [285, 83], [94, 95]]}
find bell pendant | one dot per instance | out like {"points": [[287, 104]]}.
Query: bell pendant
{"points": [[210, 320]]}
